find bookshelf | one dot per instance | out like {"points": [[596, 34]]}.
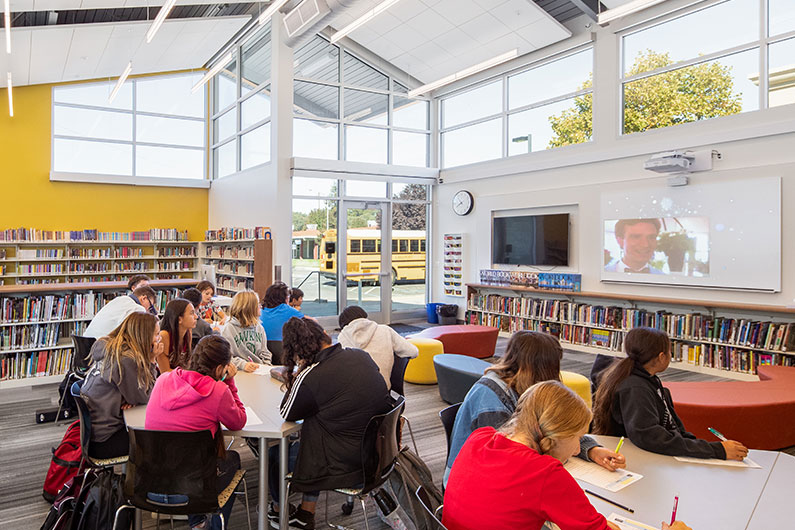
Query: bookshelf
{"points": [[718, 338], [240, 264], [36, 322]]}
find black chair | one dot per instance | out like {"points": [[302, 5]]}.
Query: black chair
{"points": [[447, 415], [174, 473], [436, 515], [78, 367], [379, 454], [276, 347], [85, 433], [398, 371]]}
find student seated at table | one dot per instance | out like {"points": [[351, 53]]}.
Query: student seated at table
{"points": [[121, 376], [175, 331], [275, 312], [201, 397], [245, 334], [335, 392], [379, 340], [203, 328], [530, 357], [514, 477], [114, 312], [140, 280], [631, 401], [296, 298], [208, 311]]}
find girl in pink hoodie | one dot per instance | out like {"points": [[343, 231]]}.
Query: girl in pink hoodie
{"points": [[200, 398]]}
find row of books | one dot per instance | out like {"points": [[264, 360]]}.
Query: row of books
{"points": [[181, 251], [231, 234], [175, 266], [41, 268], [32, 234], [726, 357], [230, 252], [35, 364], [33, 336], [30, 253], [234, 284], [235, 268]]}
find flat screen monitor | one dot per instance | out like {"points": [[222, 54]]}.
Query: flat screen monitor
{"points": [[531, 240]]}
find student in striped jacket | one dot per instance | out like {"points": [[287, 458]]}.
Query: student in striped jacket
{"points": [[335, 391]]}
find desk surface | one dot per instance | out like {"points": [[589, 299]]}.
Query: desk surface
{"points": [[775, 508], [260, 393], [710, 497]]}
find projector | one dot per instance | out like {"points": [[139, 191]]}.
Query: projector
{"points": [[670, 162]]}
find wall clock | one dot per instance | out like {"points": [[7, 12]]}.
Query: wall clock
{"points": [[463, 202]]}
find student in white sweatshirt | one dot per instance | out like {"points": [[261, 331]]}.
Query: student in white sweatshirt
{"points": [[114, 312], [380, 341], [245, 333]]}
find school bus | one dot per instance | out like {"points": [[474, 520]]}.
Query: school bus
{"points": [[364, 254]]}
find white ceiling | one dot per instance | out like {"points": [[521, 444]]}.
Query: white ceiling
{"points": [[49, 5], [52, 54], [430, 39]]}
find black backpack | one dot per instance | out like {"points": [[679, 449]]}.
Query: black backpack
{"points": [[104, 497], [410, 473], [68, 504]]}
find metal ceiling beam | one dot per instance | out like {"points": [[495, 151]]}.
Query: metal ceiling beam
{"points": [[589, 7]]}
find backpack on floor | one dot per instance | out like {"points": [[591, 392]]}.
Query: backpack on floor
{"points": [[65, 462], [65, 397], [410, 473], [104, 497], [69, 502]]}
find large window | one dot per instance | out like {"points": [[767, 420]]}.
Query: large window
{"points": [[347, 110], [548, 105], [241, 103], [155, 127], [711, 69]]}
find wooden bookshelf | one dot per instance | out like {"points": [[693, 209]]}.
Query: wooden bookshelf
{"points": [[733, 350], [240, 264], [36, 322]]}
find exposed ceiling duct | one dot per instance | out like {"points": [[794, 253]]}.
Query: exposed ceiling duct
{"points": [[335, 9]]}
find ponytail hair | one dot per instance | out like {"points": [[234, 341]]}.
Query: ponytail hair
{"points": [[210, 352], [302, 340], [641, 345], [547, 412]]}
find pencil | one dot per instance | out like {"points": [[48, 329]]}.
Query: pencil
{"points": [[614, 503], [620, 443], [717, 434], [673, 512]]}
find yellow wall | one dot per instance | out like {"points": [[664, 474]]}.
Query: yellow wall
{"points": [[28, 198]]}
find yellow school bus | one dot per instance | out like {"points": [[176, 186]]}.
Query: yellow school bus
{"points": [[364, 254]]}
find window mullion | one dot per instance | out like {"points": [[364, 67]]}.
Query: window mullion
{"points": [[764, 63], [134, 126]]}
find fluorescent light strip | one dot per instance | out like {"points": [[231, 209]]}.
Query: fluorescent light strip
{"points": [[466, 72], [626, 9], [120, 82], [268, 13], [362, 20], [159, 19], [10, 98], [220, 65], [7, 17]]}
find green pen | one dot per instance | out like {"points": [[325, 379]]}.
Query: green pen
{"points": [[620, 443], [716, 433]]}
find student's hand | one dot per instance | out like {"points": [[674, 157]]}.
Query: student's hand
{"points": [[158, 349], [678, 525], [231, 371], [734, 450], [126, 406], [250, 367], [607, 458]]}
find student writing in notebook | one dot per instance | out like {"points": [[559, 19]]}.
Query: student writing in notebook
{"points": [[514, 477], [245, 334], [632, 402]]}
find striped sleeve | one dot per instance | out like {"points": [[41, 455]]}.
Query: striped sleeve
{"points": [[299, 403]]}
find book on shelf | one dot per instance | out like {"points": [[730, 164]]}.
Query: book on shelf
{"points": [[35, 364], [21, 235], [236, 233]]}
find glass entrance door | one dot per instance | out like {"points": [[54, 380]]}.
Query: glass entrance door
{"points": [[365, 275]]}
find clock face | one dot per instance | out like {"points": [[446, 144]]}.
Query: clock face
{"points": [[463, 202]]}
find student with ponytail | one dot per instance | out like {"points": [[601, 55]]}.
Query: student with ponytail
{"points": [[514, 477], [632, 402]]}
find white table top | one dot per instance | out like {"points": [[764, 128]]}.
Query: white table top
{"points": [[775, 508], [260, 393], [710, 497]]}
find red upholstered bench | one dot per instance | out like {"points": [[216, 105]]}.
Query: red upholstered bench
{"points": [[475, 341], [760, 414]]}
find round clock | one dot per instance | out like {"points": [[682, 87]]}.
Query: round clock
{"points": [[463, 202]]}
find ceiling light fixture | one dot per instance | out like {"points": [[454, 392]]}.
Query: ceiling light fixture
{"points": [[466, 72], [10, 98], [377, 10], [159, 19], [220, 65], [7, 18], [626, 9], [268, 13], [120, 82]]}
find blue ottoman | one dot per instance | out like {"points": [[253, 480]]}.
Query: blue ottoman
{"points": [[456, 374]]}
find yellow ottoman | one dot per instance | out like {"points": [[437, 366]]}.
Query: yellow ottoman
{"points": [[420, 370], [579, 384]]}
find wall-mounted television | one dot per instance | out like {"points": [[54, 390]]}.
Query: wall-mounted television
{"points": [[530, 240]]}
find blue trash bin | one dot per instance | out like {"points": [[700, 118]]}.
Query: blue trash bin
{"points": [[433, 317]]}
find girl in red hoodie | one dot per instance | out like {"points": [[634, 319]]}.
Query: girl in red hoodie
{"points": [[198, 399]]}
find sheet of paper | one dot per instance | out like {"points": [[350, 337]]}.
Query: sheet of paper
{"points": [[251, 417], [263, 369], [629, 524], [718, 462], [599, 476]]}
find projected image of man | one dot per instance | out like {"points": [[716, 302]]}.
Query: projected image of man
{"points": [[638, 241]]}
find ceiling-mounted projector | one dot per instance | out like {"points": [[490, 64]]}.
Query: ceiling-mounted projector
{"points": [[670, 162]]}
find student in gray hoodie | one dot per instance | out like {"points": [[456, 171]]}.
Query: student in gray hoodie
{"points": [[245, 333], [122, 376]]}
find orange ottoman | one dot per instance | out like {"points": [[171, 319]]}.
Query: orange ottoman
{"points": [[475, 341]]}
